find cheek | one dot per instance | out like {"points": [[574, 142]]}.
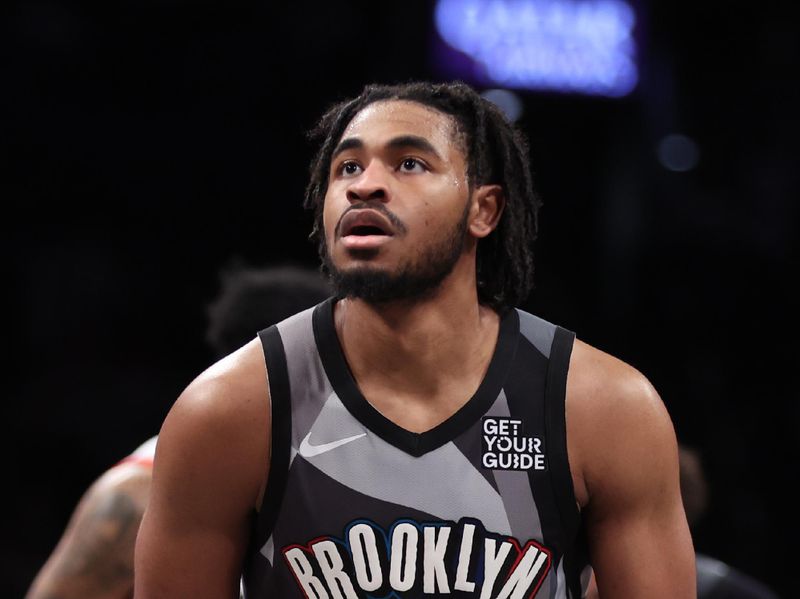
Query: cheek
{"points": [[441, 210], [429, 221]]}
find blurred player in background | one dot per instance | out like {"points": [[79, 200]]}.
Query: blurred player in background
{"points": [[94, 558]]}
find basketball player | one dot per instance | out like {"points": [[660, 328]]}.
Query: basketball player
{"points": [[94, 559], [416, 435]]}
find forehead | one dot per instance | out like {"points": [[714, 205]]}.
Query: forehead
{"points": [[381, 121]]}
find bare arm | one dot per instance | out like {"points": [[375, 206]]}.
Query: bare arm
{"points": [[627, 461], [94, 558], [209, 472]]}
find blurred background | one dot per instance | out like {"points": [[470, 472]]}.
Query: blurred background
{"points": [[146, 145]]}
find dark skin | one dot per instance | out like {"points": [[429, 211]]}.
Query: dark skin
{"points": [[94, 558]]}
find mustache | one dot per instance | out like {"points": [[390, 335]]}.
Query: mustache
{"points": [[398, 225]]}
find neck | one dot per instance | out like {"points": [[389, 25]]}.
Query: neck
{"points": [[420, 347]]}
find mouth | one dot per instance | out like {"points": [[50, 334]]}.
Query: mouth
{"points": [[364, 222], [364, 229]]}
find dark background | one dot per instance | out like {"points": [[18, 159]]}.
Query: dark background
{"points": [[147, 144]]}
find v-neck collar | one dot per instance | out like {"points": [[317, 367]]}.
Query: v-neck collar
{"points": [[416, 444]]}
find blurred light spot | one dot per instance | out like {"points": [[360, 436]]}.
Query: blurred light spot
{"points": [[506, 101], [678, 153], [582, 46]]}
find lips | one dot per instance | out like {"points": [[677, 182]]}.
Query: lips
{"points": [[363, 223]]}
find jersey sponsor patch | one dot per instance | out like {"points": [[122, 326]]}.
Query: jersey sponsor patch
{"points": [[506, 447], [413, 559]]}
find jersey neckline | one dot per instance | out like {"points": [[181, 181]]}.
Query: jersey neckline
{"points": [[416, 444]]}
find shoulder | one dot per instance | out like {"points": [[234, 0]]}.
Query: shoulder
{"points": [[599, 381], [617, 425], [222, 417], [227, 394]]}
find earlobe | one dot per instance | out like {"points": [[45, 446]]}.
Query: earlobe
{"points": [[488, 204]]}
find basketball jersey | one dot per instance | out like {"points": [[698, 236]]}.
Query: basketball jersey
{"points": [[482, 505]]}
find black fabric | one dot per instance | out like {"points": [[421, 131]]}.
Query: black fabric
{"points": [[575, 553], [281, 431], [321, 514], [576, 558], [332, 503], [555, 414]]}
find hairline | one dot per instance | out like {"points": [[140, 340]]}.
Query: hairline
{"points": [[457, 134]]}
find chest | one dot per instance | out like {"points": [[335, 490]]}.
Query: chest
{"points": [[418, 412]]}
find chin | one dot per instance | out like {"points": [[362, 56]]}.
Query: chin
{"points": [[376, 285], [362, 256]]}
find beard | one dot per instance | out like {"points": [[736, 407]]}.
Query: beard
{"points": [[414, 280]]}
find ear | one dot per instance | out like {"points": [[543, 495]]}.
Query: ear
{"points": [[488, 202]]}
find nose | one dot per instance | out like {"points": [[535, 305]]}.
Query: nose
{"points": [[371, 184]]}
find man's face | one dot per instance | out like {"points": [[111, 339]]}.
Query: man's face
{"points": [[396, 206]]}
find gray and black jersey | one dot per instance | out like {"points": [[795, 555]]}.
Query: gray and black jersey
{"points": [[482, 505]]}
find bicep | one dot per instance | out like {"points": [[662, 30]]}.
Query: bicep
{"points": [[644, 554], [176, 560], [639, 539]]}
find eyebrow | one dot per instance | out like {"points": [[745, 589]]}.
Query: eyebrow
{"points": [[402, 141], [347, 144]]}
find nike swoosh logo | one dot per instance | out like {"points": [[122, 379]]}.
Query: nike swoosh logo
{"points": [[309, 451]]}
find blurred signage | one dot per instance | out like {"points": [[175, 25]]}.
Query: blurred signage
{"points": [[578, 46]]}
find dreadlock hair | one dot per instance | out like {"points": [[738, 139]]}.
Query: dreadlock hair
{"points": [[496, 152], [251, 299]]}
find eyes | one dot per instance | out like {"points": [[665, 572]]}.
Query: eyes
{"points": [[351, 168], [412, 165]]}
